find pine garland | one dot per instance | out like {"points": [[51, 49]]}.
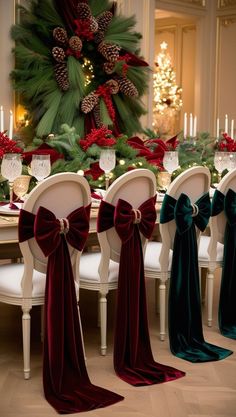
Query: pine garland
{"points": [[59, 63]]}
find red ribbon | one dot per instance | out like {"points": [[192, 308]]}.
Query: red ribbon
{"points": [[66, 383], [133, 359]]}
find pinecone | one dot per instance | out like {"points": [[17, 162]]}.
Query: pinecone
{"points": [[127, 87], [75, 43], [108, 67], [58, 54], [109, 51], [89, 102], [60, 35], [98, 36], [83, 10], [93, 24], [103, 20], [61, 75], [96, 113], [114, 86]]}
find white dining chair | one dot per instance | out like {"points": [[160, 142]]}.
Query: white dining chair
{"points": [[24, 284], [211, 248], [158, 256], [98, 271]]}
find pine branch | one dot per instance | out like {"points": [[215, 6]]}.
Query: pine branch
{"points": [[98, 7]]}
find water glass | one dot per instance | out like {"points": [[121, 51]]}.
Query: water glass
{"points": [[221, 162], [11, 168], [40, 166], [107, 162], [171, 161]]}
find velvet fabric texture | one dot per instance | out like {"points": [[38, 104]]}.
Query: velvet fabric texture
{"points": [[66, 383], [185, 321], [133, 359], [227, 304]]}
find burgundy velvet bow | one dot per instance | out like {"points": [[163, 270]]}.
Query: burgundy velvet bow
{"points": [[66, 383], [133, 360]]}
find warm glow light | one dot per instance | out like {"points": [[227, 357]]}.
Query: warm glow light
{"points": [[21, 116], [88, 71], [167, 94]]}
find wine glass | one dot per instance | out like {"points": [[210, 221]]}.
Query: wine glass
{"points": [[221, 161], [21, 185], [171, 161], [40, 166], [107, 162], [11, 168]]}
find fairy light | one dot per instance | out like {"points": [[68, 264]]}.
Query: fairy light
{"points": [[88, 71], [121, 162], [80, 172]]}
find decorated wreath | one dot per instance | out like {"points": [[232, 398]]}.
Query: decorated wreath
{"points": [[77, 63]]}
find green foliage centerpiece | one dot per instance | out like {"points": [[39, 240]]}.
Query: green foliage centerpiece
{"points": [[77, 63]]}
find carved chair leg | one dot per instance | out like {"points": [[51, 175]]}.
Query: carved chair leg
{"points": [[103, 318], [26, 341], [162, 294], [210, 291]]}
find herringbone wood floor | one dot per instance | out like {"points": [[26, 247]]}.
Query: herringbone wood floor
{"points": [[207, 390]]}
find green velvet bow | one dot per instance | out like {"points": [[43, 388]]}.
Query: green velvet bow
{"points": [[185, 321], [227, 304]]}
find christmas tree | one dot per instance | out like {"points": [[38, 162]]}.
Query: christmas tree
{"points": [[167, 95]]}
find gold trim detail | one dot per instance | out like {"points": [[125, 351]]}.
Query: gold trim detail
{"points": [[192, 3], [226, 21], [224, 4]]}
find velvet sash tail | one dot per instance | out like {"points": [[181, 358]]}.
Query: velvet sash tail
{"points": [[133, 360], [66, 383], [185, 322], [227, 304]]}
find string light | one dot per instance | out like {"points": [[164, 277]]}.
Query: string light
{"points": [[88, 71], [121, 162]]}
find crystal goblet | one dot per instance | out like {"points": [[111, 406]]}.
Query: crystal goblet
{"points": [[107, 162], [11, 168], [40, 166], [221, 161], [171, 161]]}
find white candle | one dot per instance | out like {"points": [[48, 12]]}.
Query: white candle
{"points": [[10, 132], [226, 123], [1, 119], [191, 125], [232, 129], [185, 125], [195, 127], [217, 128]]}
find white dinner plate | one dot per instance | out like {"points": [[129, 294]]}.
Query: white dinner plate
{"points": [[7, 210]]}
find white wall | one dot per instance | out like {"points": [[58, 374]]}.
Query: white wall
{"points": [[7, 16]]}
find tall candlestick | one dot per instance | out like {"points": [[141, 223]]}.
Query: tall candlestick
{"points": [[226, 123], [1, 119], [185, 125], [217, 128], [191, 125], [195, 127], [10, 133], [232, 129]]}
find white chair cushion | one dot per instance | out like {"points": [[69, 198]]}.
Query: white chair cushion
{"points": [[10, 281], [88, 270], [202, 250], [151, 260]]}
